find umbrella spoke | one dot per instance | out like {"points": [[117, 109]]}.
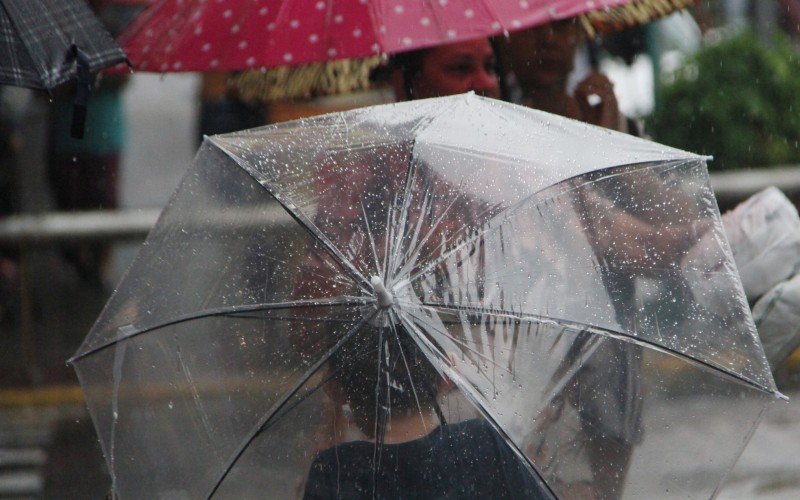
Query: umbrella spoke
{"points": [[229, 311], [471, 353], [303, 220], [562, 379], [393, 318], [381, 412], [597, 330], [497, 222], [486, 228], [391, 229], [413, 249], [374, 249], [327, 244], [265, 420], [410, 259], [474, 397], [397, 229]]}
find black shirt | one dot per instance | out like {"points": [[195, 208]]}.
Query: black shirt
{"points": [[463, 460]]}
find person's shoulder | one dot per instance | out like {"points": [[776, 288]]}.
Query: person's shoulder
{"points": [[342, 452], [325, 469], [477, 432], [473, 425]]}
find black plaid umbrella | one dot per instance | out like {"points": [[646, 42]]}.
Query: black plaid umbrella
{"points": [[40, 41], [45, 43]]}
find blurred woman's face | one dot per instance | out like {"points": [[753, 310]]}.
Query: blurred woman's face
{"points": [[457, 68], [545, 55]]}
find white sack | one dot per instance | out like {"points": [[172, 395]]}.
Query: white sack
{"points": [[777, 317], [764, 237]]}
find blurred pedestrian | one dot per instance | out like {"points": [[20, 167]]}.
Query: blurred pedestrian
{"points": [[83, 172], [542, 59], [221, 109]]}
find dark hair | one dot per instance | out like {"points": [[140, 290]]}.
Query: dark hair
{"points": [[410, 65], [381, 371]]}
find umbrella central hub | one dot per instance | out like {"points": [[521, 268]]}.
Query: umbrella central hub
{"points": [[385, 298]]}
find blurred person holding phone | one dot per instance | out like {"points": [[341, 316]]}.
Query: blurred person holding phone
{"points": [[542, 59]]}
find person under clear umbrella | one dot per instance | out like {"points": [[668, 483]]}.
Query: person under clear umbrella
{"points": [[472, 66], [433, 72], [420, 453], [541, 60]]}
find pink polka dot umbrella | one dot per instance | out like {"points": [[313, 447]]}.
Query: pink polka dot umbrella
{"points": [[235, 35]]}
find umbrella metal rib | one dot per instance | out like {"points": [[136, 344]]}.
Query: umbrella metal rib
{"points": [[425, 344], [265, 420], [623, 336], [490, 226], [467, 390], [228, 311], [303, 221]]}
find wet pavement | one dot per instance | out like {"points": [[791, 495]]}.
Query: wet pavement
{"points": [[769, 468], [50, 451]]}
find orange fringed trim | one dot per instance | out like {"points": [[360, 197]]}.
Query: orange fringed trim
{"points": [[628, 15], [302, 82]]}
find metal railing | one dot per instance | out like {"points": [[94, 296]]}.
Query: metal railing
{"points": [[734, 187], [27, 232], [53, 228]]}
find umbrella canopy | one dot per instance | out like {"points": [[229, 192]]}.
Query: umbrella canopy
{"points": [[195, 35], [349, 301], [311, 42], [43, 43]]}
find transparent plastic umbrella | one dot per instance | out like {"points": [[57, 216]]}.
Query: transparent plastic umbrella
{"points": [[448, 297]]}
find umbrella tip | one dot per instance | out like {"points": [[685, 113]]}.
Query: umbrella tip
{"points": [[385, 298]]}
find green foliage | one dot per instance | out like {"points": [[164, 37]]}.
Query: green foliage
{"points": [[738, 100]]}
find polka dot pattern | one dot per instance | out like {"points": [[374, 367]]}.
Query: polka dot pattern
{"points": [[195, 35]]}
